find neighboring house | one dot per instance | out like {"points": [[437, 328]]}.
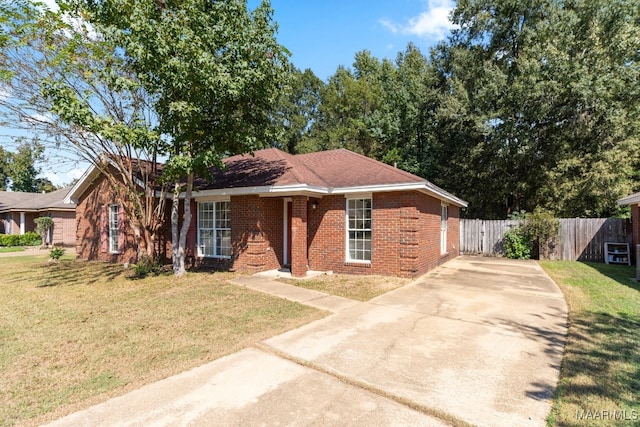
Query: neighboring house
{"points": [[19, 210], [330, 210], [634, 203]]}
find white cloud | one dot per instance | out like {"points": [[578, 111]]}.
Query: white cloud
{"points": [[433, 23], [51, 5], [63, 178]]}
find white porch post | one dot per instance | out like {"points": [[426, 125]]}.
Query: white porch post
{"points": [[21, 223]]}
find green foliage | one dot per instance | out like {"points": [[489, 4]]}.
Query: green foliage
{"points": [[56, 253], [517, 244], [526, 105], [541, 226], [43, 225], [535, 231], [29, 238], [145, 266], [18, 170]]}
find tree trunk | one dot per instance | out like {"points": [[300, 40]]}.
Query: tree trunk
{"points": [[179, 240], [175, 205]]}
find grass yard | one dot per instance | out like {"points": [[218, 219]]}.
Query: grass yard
{"points": [[359, 288], [7, 249], [600, 374], [75, 333]]}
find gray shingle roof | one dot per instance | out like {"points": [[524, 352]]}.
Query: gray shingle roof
{"points": [[18, 201]]}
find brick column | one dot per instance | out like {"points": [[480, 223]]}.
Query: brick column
{"points": [[299, 236]]}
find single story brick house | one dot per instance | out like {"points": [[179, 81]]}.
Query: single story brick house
{"points": [[633, 201], [331, 210], [19, 210]]}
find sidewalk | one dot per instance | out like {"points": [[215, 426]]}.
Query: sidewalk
{"points": [[266, 282]]}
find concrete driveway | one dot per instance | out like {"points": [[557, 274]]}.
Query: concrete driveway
{"points": [[476, 341]]}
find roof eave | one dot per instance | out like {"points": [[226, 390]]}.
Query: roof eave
{"points": [[424, 187], [630, 200], [81, 186], [264, 191], [318, 191]]}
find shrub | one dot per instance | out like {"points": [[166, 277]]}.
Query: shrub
{"points": [[517, 244], [56, 253], [146, 265], [541, 228], [27, 239], [43, 225]]}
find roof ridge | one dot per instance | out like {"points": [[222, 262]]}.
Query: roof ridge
{"points": [[287, 158], [378, 163]]}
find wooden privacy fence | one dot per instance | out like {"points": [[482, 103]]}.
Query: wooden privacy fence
{"points": [[580, 239]]}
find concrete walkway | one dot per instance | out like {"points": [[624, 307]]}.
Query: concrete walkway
{"points": [[477, 341], [267, 283]]}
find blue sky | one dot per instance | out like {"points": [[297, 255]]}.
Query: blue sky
{"points": [[323, 34]]}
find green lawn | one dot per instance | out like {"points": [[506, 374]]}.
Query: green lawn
{"points": [[359, 288], [75, 333], [600, 373], [7, 249]]}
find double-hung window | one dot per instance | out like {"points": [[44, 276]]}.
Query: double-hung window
{"points": [[114, 229], [359, 230], [214, 229]]}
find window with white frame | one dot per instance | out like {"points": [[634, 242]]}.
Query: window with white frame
{"points": [[359, 230], [114, 229], [444, 216], [214, 229]]}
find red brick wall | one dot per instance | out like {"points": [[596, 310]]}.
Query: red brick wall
{"points": [[88, 226], [256, 233], [406, 235]]}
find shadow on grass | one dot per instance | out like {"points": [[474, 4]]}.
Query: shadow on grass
{"points": [[70, 273], [601, 367], [623, 274]]}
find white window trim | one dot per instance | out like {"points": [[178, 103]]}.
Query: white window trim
{"points": [[117, 230], [444, 230], [199, 246], [346, 227]]}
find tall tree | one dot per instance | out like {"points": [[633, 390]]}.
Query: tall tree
{"points": [[540, 105], [299, 110], [4, 168], [70, 88], [22, 169], [216, 73]]}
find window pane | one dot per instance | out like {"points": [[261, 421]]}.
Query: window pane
{"points": [[359, 229]]}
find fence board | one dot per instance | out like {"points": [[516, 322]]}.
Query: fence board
{"points": [[580, 239]]}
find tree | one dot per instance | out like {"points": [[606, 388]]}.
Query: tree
{"points": [[22, 169], [72, 90], [4, 168], [216, 73], [540, 101], [43, 226], [299, 110]]}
